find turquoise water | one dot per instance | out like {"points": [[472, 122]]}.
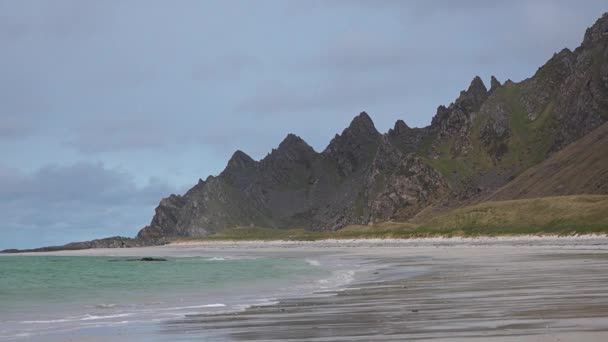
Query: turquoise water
{"points": [[45, 294]]}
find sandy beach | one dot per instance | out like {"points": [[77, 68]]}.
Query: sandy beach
{"points": [[486, 289]]}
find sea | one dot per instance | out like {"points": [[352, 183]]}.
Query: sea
{"points": [[56, 298]]}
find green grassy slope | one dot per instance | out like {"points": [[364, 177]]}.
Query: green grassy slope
{"points": [[582, 214], [581, 167], [528, 141]]}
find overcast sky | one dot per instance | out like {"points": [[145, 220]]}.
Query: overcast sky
{"points": [[107, 106]]}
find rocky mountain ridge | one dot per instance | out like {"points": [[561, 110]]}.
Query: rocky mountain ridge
{"points": [[478, 143]]}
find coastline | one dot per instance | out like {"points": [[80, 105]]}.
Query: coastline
{"points": [[488, 289], [346, 242], [442, 289], [597, 240]]}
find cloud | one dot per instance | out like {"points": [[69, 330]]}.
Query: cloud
{"points": [[62, 18], [362, 51], [227, 67], [58, 204], [20, 105], [342, 94], [13, 127], [415, 9], [159, 134], [122, 134]]}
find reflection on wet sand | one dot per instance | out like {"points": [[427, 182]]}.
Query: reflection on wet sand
{"points": [[495, 293]]}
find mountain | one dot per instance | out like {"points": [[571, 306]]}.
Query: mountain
{"points": [[360, 177], [476, 145]]}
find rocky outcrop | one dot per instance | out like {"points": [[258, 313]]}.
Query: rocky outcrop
{"points": [[111, 242], [454, 123], [165, 218], [494, 84], [407, 139], [400, 185], [582, 101], [294, 186], [357, 144]]}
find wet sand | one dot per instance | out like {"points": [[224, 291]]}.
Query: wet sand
{"points": [[538, 289]]}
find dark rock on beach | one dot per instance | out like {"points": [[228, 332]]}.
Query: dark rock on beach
{"points": [[151, 259]]}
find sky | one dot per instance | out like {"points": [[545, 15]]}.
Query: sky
{"points": [[108, 106]]}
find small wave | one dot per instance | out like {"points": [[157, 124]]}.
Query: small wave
{"points": [[94, 317], [49, 321], [106, 306], [216, 305], [75, 319], [339, 278], [262, 302], [313, 262], [216, 259]]}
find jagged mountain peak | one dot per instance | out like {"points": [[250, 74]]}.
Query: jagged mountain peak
{"points": [[362, 124], [407, 139], [494, 84], [468, 101], [400, 128], [597, 33], [240, 158], [474, 96], [355, 146], [239, 169], [291, 148], [292, 140], [477, 86], [557, 68], [560, 64], [361, 128], [293, 145]]}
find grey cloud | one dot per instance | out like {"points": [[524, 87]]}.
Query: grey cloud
{"points": [[121, 133], [14, 127], [274, 98], [61, 18], [227, 67], [92, 183], [432, 33], [87, 200], [361, 51], [413, 7], [158, 133], [20, 107]]}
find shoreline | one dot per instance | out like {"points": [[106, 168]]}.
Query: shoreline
{"points": [[423, 240], [599, 241], [509, 292], [99, 318], [529, 288]]}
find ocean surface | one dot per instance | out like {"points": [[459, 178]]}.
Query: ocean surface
{"points": [[50, 297]]}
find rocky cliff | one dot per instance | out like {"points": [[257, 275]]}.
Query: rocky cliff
{"points": [[475, 145], [361, 177]]}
